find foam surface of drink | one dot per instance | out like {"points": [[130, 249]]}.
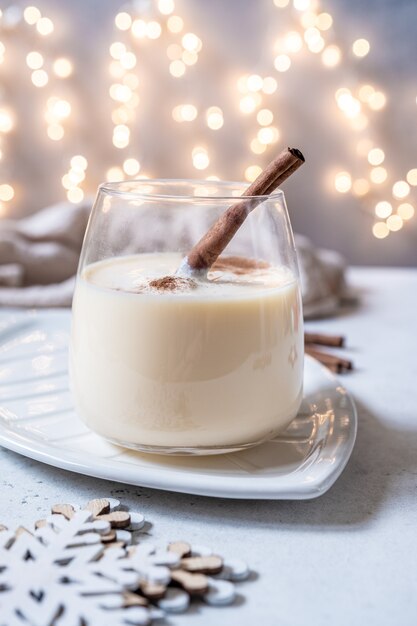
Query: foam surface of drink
{"points": [[219, 365], [133, 275]]}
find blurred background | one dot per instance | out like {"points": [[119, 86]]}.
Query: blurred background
{"points": [[95, 90]]}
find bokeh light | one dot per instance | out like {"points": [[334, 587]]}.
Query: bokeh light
{"points": [[361, 47]]}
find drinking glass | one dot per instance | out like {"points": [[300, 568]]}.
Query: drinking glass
{"points": [[207, 370]]}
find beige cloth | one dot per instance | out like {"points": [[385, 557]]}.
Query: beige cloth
{"points": [[39, 258]]}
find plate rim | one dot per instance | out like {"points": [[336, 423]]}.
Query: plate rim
{"points": [[232, 487]]}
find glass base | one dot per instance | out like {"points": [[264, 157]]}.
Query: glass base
{"points": [[193, 451]]}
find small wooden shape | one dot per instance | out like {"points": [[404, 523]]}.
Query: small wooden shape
{"points": [[41, 523], [153, 591], [99, 506], [114, 504], [117, 519], [115, 544], [194, 584], [21, 530], [182, 548], [134, 599], [67, 510], [111, 536], [203, 564]]}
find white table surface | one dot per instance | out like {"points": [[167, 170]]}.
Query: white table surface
{"points": [[346, 558]]}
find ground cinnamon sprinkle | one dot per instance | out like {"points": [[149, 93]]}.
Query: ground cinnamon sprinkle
{"points": [[173, 283]]}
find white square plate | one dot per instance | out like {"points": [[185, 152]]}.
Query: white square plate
{"points": [[37, 420]]}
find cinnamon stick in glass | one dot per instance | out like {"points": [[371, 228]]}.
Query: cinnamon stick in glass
{"points": [[202, 256]]}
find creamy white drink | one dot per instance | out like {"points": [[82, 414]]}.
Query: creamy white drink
{"points": [[212, 364]]}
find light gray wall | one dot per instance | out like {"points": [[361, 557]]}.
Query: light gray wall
{"points": [[237, 36]]}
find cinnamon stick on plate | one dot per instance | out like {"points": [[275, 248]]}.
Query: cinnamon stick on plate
{"points": [[202, 256], [333, 362], [335, 341]]}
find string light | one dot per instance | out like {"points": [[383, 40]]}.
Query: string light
{"points": [[114, 174], [405, 211], [309, 31], [200, 158], [128, 60], [268, 135], [376, 156], [75, 195], [6, 192], [177, 68], [311, 35], [59, 109], [6, 121], [380, 230], [394, 223], [360, 187], [378, 175], [265, 117], [123, 21], [131, 166], [166, 6], [184, 113], [31, 15], [44, 26], [364, 146], [282, 63], [55, 132], [366, 92], [74, 177], [214, 118], [39, 78], [252, 172], [175, 24], [247, 104], [412, 177], [343, 182], [254, 82], [257, 147], [191, 42], [79, 162], [331, 56], [302, 5], [401, 189], [323, 21], [377, 101], [361, 47], [270, 85], [34, 60], [121, 136], [308, 19], [153, 30], [383, 209], [293, 42], [139, 31]]}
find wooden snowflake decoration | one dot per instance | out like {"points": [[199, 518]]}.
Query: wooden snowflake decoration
{"points": [[83, 567]]}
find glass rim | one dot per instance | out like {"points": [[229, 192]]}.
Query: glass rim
{"points": [[115, 189]]}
